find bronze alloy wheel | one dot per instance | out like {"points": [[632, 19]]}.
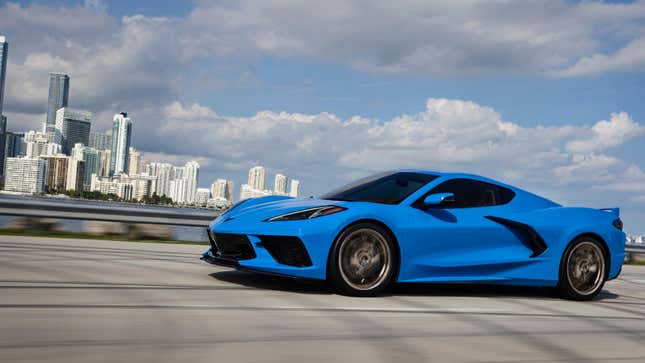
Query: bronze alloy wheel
{"points": [[362, 262], [583, 271], [364, 259], [585, 268]]}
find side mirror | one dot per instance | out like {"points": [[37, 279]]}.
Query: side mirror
{"points": [[438, 199]]}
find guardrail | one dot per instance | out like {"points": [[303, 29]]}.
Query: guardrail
{"points": [[635, 248], [106, 213]]}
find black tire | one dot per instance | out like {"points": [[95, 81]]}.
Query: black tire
{"points": [[365, 266], [583, 269]]}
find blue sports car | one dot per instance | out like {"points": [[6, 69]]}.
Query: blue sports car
{"points": [[423, 226]]}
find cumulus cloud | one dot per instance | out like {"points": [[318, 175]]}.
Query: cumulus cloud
{"points": [[451, 135], [112, 64], [607, 134]]}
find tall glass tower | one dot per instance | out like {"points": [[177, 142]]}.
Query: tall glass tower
{"points": [[121, 135], [58, 97], [4, 47]]}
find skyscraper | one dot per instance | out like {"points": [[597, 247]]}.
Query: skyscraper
{"points": [[229, 190], [72, 127], [58, 97], [14, 144], [75, 172], [92, 163], [134, 161], [101, 140], [25, 175], [256, 178], [218, 189], [105, 157], [3, 140], [164, 173], [178, 190], [56, 172], [280, 184], [202, 195], [293, 188], [191, 175], [4, 47], [121, 135]]}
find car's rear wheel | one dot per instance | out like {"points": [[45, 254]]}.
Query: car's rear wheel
{"points": [[362, 260], [583, 270]]}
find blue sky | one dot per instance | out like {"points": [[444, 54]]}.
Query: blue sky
{"points": [[561, 82]]}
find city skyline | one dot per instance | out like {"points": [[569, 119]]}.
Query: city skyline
{"points": [[68, 157]]}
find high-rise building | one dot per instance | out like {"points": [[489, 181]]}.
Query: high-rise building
{"points": [[35, 136], [164, 173], [280, 184], [37, 144], [143, 185], [72, 127], [202, 195], [25, 175], [56, 176], [246, 192], [256, 178], [134, 162], [4, 49], [3, 139], [293, 188], [100, 140], [121, 137], [222, 189], [178, 190], [218, 189], [92, 163], [58, 98], [105, 157], [15, 144], [114, 186], [191, 175], [75, 173], [229, 190]]}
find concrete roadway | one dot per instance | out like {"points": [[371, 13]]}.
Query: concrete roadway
{"points": [[98, 301]]}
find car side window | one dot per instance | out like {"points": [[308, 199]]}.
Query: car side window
{"points": [[473, 193]]}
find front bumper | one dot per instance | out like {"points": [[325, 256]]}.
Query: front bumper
{"points": [[271, 254], [209, 257]]}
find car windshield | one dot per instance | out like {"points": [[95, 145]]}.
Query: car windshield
{"points": [[387, 188]]}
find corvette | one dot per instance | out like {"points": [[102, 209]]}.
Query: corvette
{"points": [[423, 227]]}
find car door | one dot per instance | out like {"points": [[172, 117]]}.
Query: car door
{"points": [[456, 240]]}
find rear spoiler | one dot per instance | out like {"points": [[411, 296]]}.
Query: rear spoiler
{"points": [[614, 211]]}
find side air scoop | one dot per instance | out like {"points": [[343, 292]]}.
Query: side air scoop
{"points": [[533, 239]]}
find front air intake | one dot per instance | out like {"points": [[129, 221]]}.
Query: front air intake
{"points": [[233, 246], [287, 250]]}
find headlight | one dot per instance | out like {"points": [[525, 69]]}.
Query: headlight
{"points": [[307, 213]]}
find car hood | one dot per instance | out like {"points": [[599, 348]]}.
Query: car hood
{"points": [[270, 207]]}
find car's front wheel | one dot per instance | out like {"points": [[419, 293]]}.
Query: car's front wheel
{"points": [[583, 270], [362, 261]]}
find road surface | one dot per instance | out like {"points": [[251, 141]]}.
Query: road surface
{"points": [[98, 301]]}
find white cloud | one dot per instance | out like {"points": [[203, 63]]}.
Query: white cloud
{"points": [[453, 135], [438, 38], [629, 58], [607, 134], [112, 64]]}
